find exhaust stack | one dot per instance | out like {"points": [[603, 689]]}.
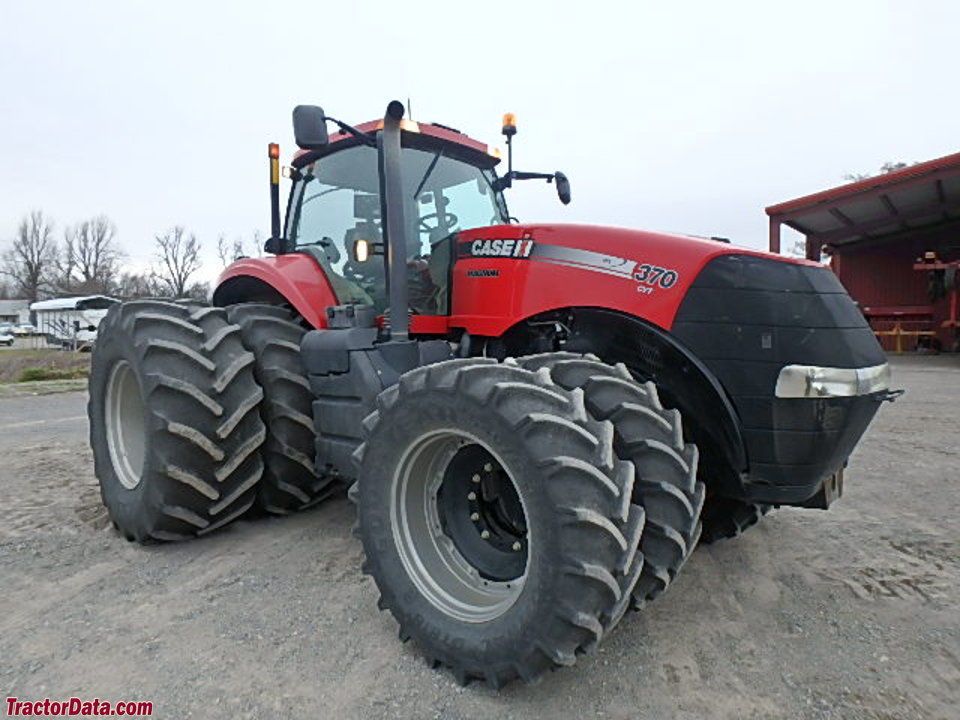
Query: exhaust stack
{"points": [[392, 209]]}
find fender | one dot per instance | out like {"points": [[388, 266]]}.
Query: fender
{"points": [[294, 278]]}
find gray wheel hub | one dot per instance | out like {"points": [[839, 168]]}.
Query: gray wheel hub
{"points": [[126, 430], [469, 555]]}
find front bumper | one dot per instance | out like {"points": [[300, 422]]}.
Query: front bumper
{"points": [[815, 381], [804, 443]]}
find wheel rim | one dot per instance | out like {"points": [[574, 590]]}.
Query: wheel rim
{"points": [[126, 432], [460, 526]]}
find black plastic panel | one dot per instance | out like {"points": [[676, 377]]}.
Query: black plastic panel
{"points": [[783, 345], [347, 369], [757, 273], [762, 307], [746, 318]]}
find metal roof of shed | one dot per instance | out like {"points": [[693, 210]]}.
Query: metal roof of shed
{"points": [[914, 197], [96, 302]]}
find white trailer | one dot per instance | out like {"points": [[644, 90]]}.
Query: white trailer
{"points": [[71, 322]]}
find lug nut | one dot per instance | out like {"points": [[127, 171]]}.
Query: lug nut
{"points": [[485, 534], [475, 478], [517, 547], [488, 468], [471, 496], [474, 516]]}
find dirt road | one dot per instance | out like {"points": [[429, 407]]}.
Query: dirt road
{"points": [[852, 613]]}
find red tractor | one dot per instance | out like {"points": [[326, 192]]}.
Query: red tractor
{"points": [[537, 422]]}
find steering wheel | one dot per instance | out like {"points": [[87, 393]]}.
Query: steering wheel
{"points": [[440, 218]]}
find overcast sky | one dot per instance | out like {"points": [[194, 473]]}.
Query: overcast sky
{"points": [[682, 116]]}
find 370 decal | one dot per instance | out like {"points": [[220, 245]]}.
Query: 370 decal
{"points": [[655, 275]]}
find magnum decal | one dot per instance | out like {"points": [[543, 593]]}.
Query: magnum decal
{"points": [[483, 273]]}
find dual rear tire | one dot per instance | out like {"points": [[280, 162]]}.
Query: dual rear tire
{"points": [[290, 479], [198, 414], [174, 420]]}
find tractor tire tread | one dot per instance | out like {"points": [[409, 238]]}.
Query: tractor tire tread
{"points": [[725, 518], [201, 419], [589, 491], [651, 437], [290, 479]]}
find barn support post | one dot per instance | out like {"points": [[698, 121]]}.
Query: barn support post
{"points": [[774, 235]]}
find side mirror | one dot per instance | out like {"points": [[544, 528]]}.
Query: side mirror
{"points": [[361, 250], [274, 246], [310, 127], [563, 187]]}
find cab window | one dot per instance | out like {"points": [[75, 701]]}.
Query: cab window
{"points": [[337, 201]]}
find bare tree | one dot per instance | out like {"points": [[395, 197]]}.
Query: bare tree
{"points": [[797, 248], [229, 251], [178, 258], [90, 261], [66, 262], [31, 260], [137, 285], [199, 291], [888, 167], [258, 243], [223, 250]]}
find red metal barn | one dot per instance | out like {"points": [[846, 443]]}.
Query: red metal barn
{"points": [[894, 241]]}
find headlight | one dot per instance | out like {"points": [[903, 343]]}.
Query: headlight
{"points": [[813, 381]]}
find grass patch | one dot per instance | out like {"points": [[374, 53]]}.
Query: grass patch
{"points": [[27, 365], [44, 387], [51, 373]]}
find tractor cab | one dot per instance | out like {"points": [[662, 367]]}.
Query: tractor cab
{"points": [[335, 212]]}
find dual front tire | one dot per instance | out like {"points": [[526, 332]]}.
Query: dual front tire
{"points": [[565, 460], [549, 492], [609, 495]]}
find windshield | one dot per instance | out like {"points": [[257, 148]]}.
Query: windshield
{"points": [[337, 201]]}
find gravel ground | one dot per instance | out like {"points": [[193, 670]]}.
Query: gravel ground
{"points": [[850, 613]]}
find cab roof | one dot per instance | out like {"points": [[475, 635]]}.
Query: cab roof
{"points": [[415, 134]]}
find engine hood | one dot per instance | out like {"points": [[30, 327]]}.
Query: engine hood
{"points": [[629, 243], [508, 272]]}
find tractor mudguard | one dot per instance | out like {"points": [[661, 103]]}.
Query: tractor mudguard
{"points": [[293, 278]]}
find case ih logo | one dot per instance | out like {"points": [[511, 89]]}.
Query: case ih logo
{"points": [[648, 277], [498, 248]]}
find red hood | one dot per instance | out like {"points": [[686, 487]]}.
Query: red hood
{"points": [[627, 242], [509, 272]]}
